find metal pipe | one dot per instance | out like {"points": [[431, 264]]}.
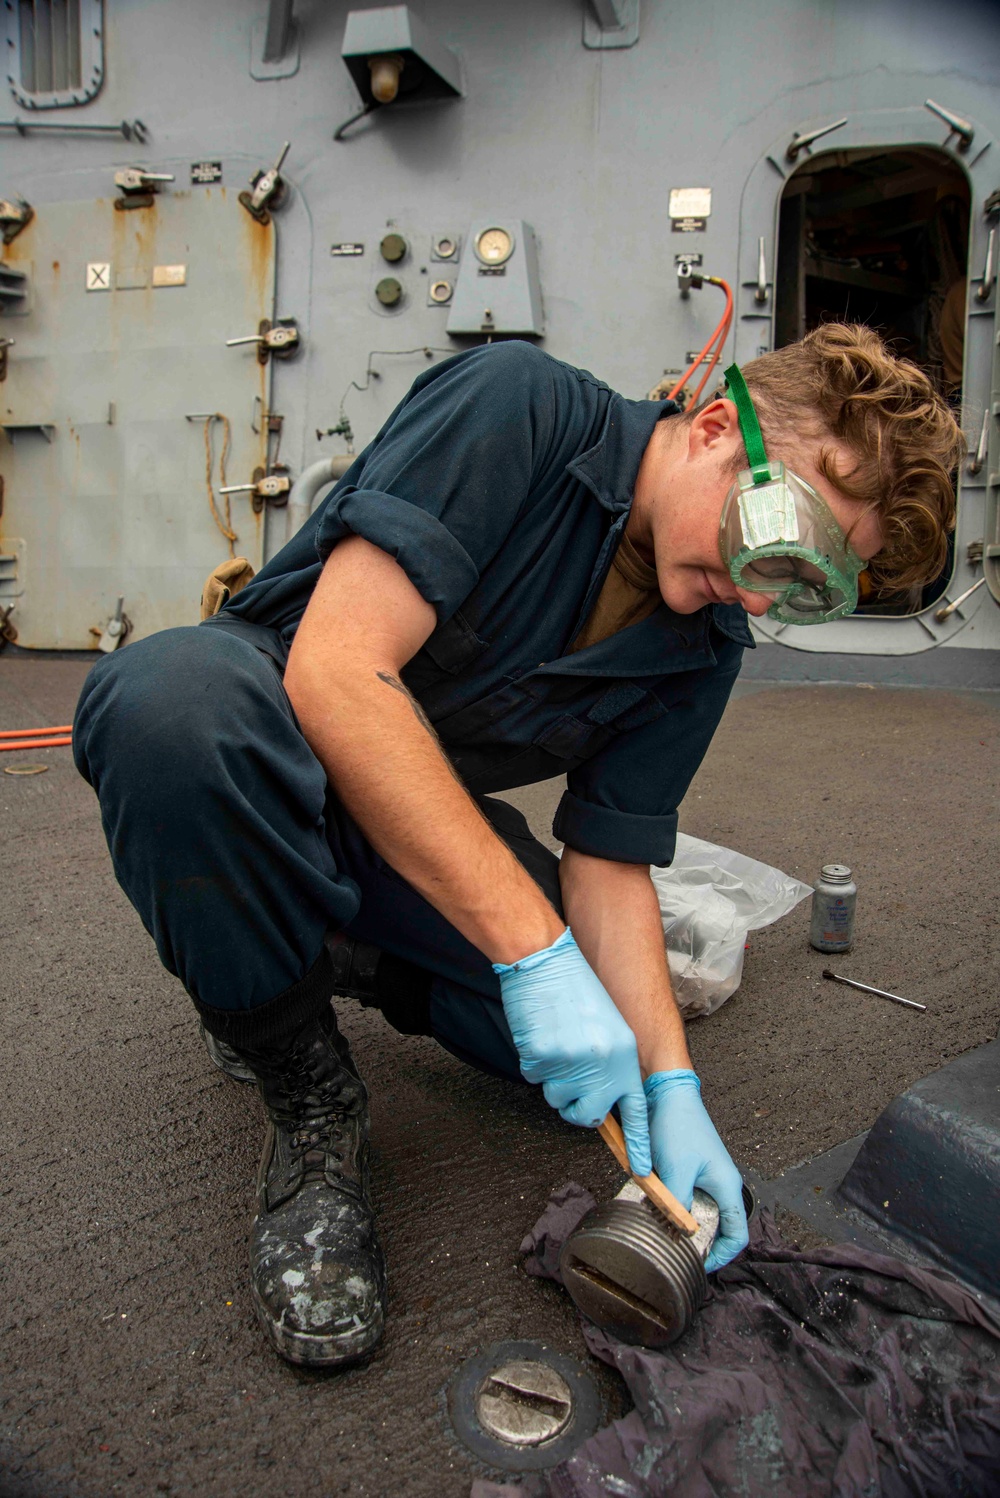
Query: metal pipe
{"points": [[130, 129], [305, 489]]}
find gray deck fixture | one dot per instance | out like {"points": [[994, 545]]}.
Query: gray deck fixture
{"points": [[929, 1169], [923, 1183]]}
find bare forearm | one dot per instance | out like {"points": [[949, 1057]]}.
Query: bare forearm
{"points": [[615, 917], [386, 765]]}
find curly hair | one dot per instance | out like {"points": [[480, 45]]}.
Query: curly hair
{"points": [[842, 381]]}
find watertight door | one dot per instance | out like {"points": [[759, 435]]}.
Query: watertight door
{"points": [[798, 246], [119, 400]]}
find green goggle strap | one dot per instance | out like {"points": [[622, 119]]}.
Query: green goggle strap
{"points": [[749, 425]]}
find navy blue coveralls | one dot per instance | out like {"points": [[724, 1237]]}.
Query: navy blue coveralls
{"points": [[501, 484]]}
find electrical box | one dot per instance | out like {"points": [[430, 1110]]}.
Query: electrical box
{"points": [[498, 289]]}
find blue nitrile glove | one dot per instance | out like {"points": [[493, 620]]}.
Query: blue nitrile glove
{"points": [[572, 1040], [687, 1152]]}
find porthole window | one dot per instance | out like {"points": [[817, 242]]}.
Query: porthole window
{"points": [[55, 51]]}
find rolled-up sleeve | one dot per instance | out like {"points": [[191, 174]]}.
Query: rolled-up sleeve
{"points": [[443, 482], [621, 804]]}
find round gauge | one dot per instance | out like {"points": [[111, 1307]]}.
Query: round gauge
{"points": [[494, 246]]}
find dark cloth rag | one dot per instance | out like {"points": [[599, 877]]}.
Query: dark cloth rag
{"points": [[835, 1373]]}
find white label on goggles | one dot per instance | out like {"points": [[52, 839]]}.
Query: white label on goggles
{"points": [[767, 514]]}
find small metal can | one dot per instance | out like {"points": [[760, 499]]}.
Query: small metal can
{"points": [[835, 894]]}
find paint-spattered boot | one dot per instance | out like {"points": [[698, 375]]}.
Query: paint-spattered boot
{"points": [[317, 1271]]}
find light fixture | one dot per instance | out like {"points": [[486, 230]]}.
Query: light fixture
{"points": [[394, 60]]}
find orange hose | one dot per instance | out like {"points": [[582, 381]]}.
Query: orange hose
{"points": [[718, 338], [34, 744], [30, 733], [710, 366]]}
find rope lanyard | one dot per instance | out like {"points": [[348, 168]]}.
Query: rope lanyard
{"points": [[225, 526]]}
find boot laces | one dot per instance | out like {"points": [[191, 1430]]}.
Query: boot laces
{"points": [[319, 1132], [317, 1117]]}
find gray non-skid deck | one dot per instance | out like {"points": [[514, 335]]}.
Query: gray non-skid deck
{"points": [[130, 1360]]}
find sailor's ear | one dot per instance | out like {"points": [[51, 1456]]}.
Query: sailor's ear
{"points": [[713, 427]]}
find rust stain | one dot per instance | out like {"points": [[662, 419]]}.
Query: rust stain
{"points": [[21, 247], [145, 250], [56, 267], [258, 258], [260, 248], [118, 231], [133, 247], [77, 458], [144, 225]]}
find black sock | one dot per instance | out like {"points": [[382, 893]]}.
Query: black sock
{"points": [[272, 1025]]}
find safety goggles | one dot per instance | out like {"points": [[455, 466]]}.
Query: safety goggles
{"points": [[778, 536]]}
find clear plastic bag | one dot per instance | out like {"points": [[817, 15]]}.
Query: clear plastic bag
{"points": [[710, 898]]}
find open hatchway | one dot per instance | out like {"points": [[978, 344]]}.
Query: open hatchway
{"points": [[880, 236]]}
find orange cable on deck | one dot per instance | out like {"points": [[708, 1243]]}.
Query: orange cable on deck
{"points": [[30, 733], [34, 744], [36, 738]]}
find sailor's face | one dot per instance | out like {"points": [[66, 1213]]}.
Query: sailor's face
{"points": [[685, 477]]}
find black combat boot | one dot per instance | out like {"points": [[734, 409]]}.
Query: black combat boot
{"points": [[316, 1268], [226, 1059]]}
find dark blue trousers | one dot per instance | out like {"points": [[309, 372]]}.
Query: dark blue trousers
{"points": [[226, 838]]}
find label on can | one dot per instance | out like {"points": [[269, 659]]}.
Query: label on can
{"points": [[831, 928]]}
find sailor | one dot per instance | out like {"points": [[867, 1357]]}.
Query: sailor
{"points": [[524, 575]]}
